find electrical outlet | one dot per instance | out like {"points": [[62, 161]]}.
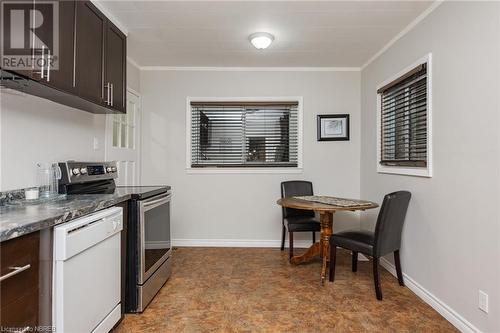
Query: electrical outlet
{"points": [[483, 301], [96, 143]]}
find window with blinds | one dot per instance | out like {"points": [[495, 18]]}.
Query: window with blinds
{"points": [[403, 131], [244, 134]]}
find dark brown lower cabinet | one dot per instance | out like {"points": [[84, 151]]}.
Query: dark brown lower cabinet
{"points": [[26, 265], [19, 283]]}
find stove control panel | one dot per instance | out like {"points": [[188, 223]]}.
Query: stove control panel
{"points": [[84, 172]]}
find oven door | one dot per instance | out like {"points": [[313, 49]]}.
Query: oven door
{"points": [[154, 234]]}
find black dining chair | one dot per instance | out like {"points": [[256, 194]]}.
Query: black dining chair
{"points": [[297, 220], [385, 239]]}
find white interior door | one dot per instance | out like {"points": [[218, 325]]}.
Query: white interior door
{"points": [[122, 141]]}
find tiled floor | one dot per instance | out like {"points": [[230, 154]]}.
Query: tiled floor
{"points": [[257, 290]]}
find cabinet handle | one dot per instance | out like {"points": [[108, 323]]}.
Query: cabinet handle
{"points": [[41, 72], [74, 45], [112, 93], [43, 60], [109, 93], [48, 65], [16, 270], [107, 86]]}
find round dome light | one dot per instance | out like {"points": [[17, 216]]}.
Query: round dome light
{"points": [[261, 40]]}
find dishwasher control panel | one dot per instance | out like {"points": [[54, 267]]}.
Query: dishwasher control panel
{"points": [[82, 233]]}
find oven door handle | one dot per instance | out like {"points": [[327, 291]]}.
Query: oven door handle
{"points": [[150, 204]]}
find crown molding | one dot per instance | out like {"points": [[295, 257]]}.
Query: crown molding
{"points": [[403, 32], [252, 69], [111, 17]]}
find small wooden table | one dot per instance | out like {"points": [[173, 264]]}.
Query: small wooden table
{"points": [[321, 248]]}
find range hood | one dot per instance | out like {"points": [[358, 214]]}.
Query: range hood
{"points": [[10, 80]]}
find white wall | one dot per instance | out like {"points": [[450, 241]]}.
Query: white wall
{"points": [[38, 130], [34, 130], [133, 77], [451, 235], [243, 206]]}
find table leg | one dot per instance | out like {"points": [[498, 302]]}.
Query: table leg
{"points": [[326, 220], [321, 248], [321, 243], [311, 252]]}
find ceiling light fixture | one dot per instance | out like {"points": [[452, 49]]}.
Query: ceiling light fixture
{"points": [[261, 40]]}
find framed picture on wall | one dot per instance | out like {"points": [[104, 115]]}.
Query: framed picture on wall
{"points": [[333, 127]]}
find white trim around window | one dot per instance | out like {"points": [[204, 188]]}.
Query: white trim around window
{"points": [[409, 171], [243, 170]]}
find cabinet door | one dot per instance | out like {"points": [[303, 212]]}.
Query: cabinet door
{"points": [[32, 27], [61, 75], [17, 51], [89, 75], [115, 67], [19, 287]]}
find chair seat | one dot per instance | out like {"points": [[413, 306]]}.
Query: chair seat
{"points": [[359, 241], [302, 223]]}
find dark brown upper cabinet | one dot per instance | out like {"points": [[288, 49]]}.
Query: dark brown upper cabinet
{"points": [[50, 50], [90, 59], [115, 63], [19, 47], [100, 60], [61, 76], [43, 39]]}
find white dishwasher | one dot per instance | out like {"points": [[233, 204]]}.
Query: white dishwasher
{"points": [[86, 280]]}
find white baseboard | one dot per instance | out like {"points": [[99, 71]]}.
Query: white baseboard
{"points": [[157, 245], [237, 243], [447, 312]]}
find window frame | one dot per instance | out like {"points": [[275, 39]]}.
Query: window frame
{"points": [[244, 170], [408, 170], [118, 119]]}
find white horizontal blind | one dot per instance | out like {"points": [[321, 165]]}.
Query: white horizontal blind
{"points": [[231, 134], [404, 120]]}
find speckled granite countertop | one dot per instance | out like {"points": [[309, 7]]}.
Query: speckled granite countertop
{"points": [[17, 221]]}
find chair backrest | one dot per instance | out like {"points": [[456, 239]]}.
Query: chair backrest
{"points": [[390, 222], [294, 188]]}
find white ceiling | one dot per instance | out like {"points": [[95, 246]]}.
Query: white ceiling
{"points": [[215, 33]]}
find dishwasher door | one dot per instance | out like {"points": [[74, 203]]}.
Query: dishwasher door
{"points": [[86, 285]]}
